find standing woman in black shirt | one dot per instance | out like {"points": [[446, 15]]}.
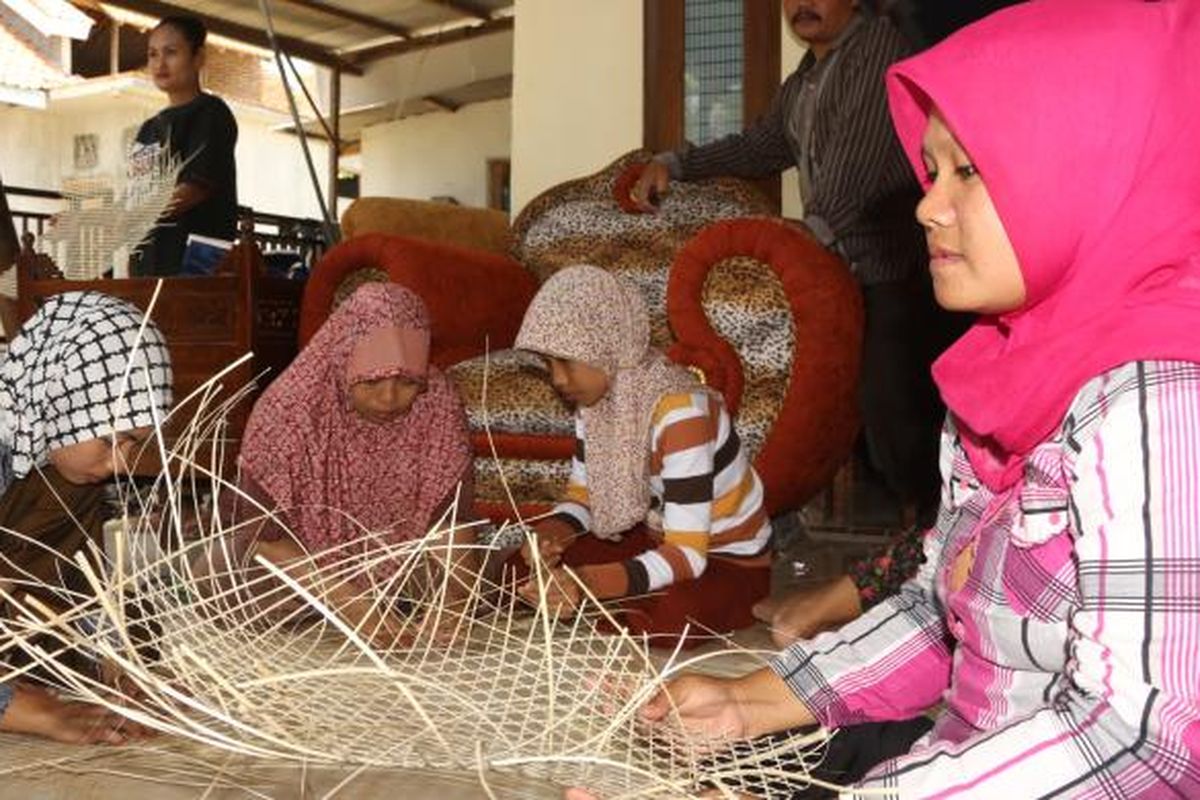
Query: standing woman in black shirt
{"points": [[199, 129]]}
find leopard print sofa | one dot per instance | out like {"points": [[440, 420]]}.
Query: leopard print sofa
{"points": [[580, 222]]}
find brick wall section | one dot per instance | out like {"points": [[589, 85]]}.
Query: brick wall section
{"points": [[240, 76]]}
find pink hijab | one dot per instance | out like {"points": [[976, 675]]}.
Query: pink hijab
{"points": [[333, 473], [1083, 118]]}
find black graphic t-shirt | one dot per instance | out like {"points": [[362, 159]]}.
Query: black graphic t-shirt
{"points": [[203, 134]]}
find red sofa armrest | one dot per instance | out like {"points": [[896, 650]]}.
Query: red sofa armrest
{"points": [[476, 299], [818, 419]]}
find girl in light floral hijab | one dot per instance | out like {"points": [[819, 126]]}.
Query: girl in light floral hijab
{"points": [[659, 481]]}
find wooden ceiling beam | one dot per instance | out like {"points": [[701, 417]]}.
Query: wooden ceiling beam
{"points": [[431, 40], [466, 8], [244, 33], [354, 16], [444, 103]]}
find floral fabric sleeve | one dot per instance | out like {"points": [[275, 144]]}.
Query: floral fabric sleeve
{"points": [[881, 574]]}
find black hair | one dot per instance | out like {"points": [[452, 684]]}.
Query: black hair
{"points": [[191, 28]]}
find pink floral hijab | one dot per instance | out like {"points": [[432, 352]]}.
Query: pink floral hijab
{"points": [[337, 476], [1083, 118]]}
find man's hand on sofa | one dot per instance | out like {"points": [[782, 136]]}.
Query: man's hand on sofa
{"points": [[654, 182]]}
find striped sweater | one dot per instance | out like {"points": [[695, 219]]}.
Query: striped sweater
{"points": [[1058, 622], [705, 499]]}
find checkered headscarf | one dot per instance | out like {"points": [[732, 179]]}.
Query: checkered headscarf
{"points": [[64, 380]]}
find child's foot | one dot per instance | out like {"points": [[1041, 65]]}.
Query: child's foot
{"points": [[40, 713]]}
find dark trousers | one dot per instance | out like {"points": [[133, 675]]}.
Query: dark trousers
{"points": [[858, 749], [850, 754], [902, 412], [716, 603]]}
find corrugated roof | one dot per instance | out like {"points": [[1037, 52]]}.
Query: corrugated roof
{"points": [[24, 69], [346, 33], [53, 17]]}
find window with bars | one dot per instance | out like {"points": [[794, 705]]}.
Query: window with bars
{"points": [[713, 69]]}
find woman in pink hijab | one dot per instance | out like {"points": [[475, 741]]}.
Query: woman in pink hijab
{"points": [[360, 439], [1053, 634]]}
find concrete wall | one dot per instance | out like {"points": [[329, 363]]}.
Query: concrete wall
{"points": [[23, 162], [272, 175], [37, 147], [577, 92], [437, 154], [577, 103]]}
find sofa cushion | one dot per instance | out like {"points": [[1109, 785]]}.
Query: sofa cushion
{"points": [[483, 228], [532, 430], [746, 305], [463, 321], [578, 222], [519, 397]]}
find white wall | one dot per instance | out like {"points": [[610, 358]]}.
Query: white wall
{"points": [[37, 147], [578, 105], [790, 53], [577, 90], [272, 175], [22, 161], [437, 154]]}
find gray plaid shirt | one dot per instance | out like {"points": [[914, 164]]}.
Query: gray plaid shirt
{"points": [[830, 119]]}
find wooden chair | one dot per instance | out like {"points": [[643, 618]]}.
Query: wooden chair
{"points": [[209, 322]]}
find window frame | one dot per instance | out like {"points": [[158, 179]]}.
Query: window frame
{"points": [[662, 100]]}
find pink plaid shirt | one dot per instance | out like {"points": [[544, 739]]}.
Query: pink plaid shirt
{"points": [[1068, 663]]}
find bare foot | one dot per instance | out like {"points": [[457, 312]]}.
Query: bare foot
{"points": [[38, 712], [805, 613]]}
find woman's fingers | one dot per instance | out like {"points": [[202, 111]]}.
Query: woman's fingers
{"points": [[577, 793], [657, 707], [551, 552], [764, 610], [562, 596]]}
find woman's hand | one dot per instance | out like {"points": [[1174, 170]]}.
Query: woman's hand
{"points": [[734, 708], [382, 627], [707, 707], [722, 709], [576, 793], [806, 612], [551, 544]]}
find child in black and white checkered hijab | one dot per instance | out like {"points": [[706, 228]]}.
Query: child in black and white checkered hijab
{"points": [[84, 367]]}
